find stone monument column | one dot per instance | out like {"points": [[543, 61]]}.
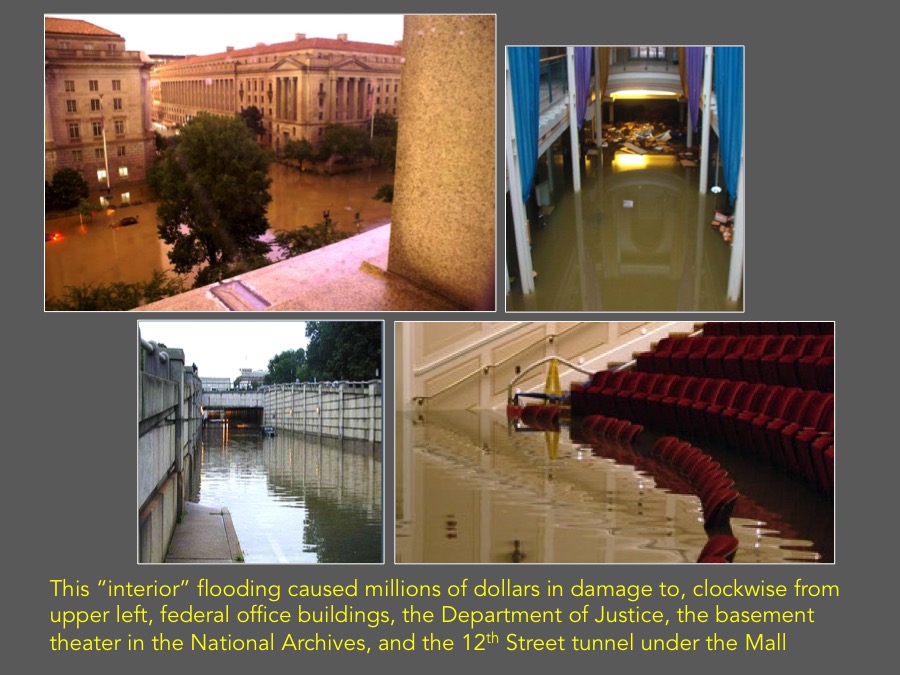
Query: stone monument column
{"points": [[444, 210]]}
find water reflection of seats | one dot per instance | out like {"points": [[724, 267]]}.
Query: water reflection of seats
{"points": [[763, 388], [706, 476], [676, 466]]}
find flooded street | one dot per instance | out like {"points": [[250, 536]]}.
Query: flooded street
{"points": [[293, 499], [94, 252]]}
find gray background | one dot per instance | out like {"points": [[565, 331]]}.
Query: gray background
{"points": [[819, 232]]}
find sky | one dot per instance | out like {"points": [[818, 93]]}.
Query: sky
{"points": [[211, 33], [222, 348]]}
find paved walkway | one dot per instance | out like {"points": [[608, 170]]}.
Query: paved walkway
{"points": [[206, 535]]}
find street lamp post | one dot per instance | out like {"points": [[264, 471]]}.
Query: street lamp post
{"points": [[105, 153]]}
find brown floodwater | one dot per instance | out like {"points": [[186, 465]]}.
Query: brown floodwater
{"points": [[637, 237], [93, 252], [471, 488]]}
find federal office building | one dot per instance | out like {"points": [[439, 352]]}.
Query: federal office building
{"points": [[299, 86], [96, 106]]}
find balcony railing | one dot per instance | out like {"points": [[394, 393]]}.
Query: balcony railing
{"points": [[554, 80]]}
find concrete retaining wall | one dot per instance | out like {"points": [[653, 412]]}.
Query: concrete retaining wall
{"points": [[169, 425], [347, 411]]}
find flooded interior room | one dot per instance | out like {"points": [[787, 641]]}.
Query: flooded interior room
{"points": [[625, 178], [615, 442]]}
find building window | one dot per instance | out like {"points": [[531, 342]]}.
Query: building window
{"points": [[321, 87], [647, 53], [120, 152], [321, 116], [101, 176], [70, 85], [120, 127], [126, 197], [71, 106], [123, 172], [63, 44], [76, 156], [93, 85], [110, 49], [95, 105], [117, 104], [98, 153], [73, 131], [97, 128]]}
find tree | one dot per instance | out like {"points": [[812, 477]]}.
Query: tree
{"points": [[344, 350], [253, 118], [67, 189], [213, 190], [306, 239], [385, 193], [287, 367], [384, 150], [385, 125], [116, 296], [300, 151], [343, 142], [85, 208]]}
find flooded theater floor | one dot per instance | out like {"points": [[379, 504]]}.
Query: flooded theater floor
{"points": [[638, 237], [471, 488]]}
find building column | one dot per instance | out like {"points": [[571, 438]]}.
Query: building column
{"points": [[444, 210], [598, 102], [704, 130], [736, 269], [573, 120]]}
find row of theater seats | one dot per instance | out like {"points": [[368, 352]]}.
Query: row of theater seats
{"points": [[805, 361], [768, 328], [791, 427]]}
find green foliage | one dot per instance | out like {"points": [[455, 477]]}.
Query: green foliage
{"points": [[253, 118], [344, 143], [384, 125], [287, 367], [385, 193], [116, 296], [306, 239], [344, 350], [66, 190], [213, 190], [384, 150], [300, 151]]}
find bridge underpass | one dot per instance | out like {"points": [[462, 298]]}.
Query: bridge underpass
{"points": [[234, 407]]}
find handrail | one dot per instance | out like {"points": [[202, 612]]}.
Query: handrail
{"points": [[420, 400], [490, 338], [551, 337], [540, 362]]}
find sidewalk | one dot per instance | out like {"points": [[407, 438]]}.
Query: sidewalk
{"points": [[206, 535]]}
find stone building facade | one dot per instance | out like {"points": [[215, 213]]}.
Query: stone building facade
{"points": [[96, 107], [299, 86]]}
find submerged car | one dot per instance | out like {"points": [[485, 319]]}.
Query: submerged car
{"points": [[128, 220]]}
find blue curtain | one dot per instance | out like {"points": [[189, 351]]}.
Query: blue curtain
{"points": [[694, 66], [582, 81], [728, 68], [524, 76]]}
